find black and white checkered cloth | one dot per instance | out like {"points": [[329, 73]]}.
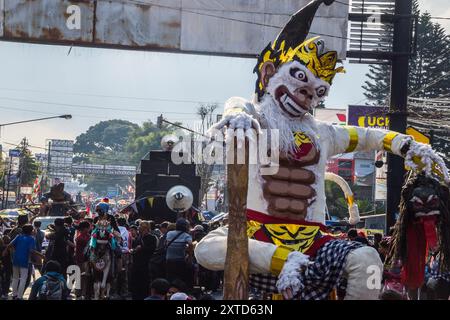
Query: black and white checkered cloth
{"points": [[266, 283], [437, 274], [321, 277]]}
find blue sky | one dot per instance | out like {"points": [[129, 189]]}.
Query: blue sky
{"points": [[46, 80]]}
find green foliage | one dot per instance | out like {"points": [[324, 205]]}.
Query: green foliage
{"points": [[426, 81], [29, 169], [336, 203], [100, 184], [378, 84], [116, 142], [430, 63], [380, 207], [105, 136], [145, 138], [365, 207]]}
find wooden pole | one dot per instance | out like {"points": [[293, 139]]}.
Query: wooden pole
{"points": [[236, 263]]}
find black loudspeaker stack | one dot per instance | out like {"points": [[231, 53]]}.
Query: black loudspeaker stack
{"points": [[158, 175]]}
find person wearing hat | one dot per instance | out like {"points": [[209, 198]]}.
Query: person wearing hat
{"points": [[158, 289], [134, 235], [163, 227], [140, 271], [158, 261], [179, 253], [198, 233], [180, 296], [102, 208]]}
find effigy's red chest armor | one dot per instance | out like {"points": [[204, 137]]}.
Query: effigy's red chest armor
{"points": [[289, 192]]}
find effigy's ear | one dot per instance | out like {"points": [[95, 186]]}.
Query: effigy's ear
{"points": [[268, 69]]}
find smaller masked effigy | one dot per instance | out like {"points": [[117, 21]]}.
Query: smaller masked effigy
{"points": [[423, 228]]}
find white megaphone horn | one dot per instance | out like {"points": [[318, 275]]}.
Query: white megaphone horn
{"points": [[179, 198]]}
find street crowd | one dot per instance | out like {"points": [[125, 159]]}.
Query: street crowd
{"points": [[118, 258], [121, 258]]}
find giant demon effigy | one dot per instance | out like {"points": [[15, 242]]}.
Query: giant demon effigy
{"points": [[290, 251]]}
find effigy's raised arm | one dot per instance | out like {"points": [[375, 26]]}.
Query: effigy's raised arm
{"points": [[418, 156]]}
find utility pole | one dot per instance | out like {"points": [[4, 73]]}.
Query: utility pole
{"points": [[398, 102], [5, 206], [5, 176], [48, 176], [3, 168], [22, 164], [161, 120]]}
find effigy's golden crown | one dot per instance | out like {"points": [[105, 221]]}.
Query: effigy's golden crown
{"points": [[290, 45]]}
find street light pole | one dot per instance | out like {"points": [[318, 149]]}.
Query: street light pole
{"points": [[4, 182], [24, 146], [64, 116], [161, 120], [5, 201]]}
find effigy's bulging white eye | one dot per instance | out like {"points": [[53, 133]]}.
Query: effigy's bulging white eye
{"points": [[299, 74]]}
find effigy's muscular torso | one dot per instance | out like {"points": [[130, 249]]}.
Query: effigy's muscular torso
{"points": [[289, 193]]}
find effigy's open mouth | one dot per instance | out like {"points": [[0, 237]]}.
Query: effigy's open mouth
{"points": [[429, 223], [290, 103], [427, 214]]}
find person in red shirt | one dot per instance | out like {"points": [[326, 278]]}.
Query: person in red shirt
{"points": [[81, 254]]}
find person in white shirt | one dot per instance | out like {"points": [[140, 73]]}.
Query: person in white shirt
{"points": [[125, 247]]}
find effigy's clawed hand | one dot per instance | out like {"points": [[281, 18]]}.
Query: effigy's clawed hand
{"points": [[289, 282], [239, 120], [287, 294], [422, 157], [240, 125]]}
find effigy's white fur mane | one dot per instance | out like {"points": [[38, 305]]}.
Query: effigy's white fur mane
{"points": [[273, 117]]}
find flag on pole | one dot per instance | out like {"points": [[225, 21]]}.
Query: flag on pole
{"points": [[36, 187], [142, 203]]}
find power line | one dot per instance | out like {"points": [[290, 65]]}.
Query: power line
{"points": [[431, 100], [27, 110], [54, 114], [440, 18], [444, 96], [62, 152], [381, 90], [49, 113], [114, 96], [88, 117], [344, 3], [149, 4], [239, 11], [432, 83], [359, 7], [92, 106]]}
